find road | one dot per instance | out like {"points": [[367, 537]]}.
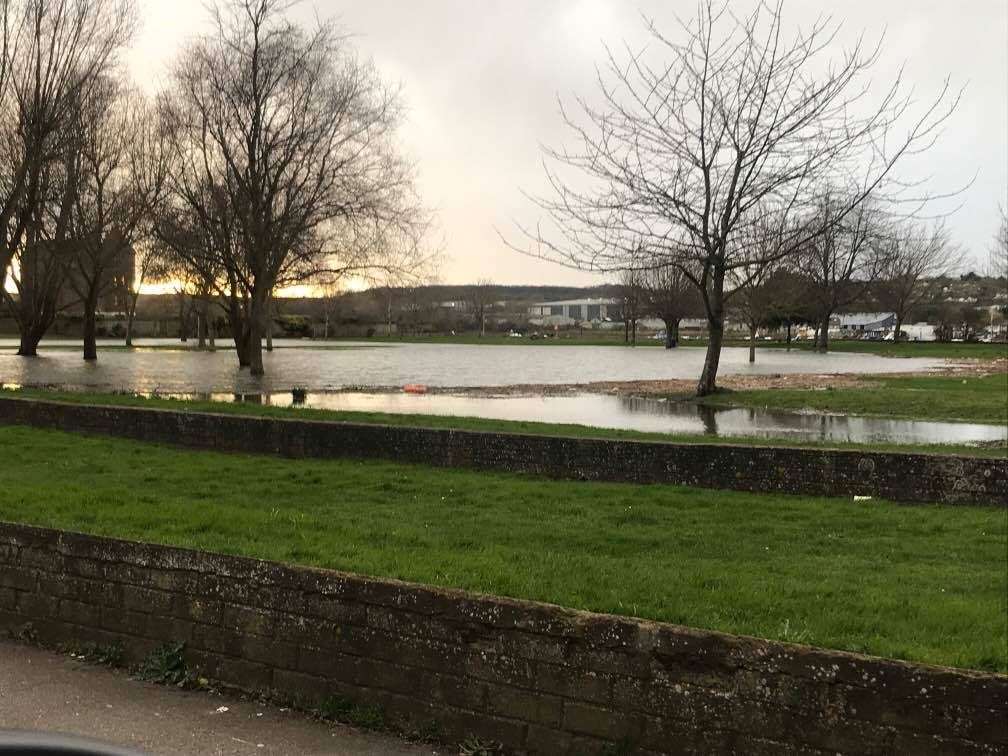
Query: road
{"points": [[48, 692]]}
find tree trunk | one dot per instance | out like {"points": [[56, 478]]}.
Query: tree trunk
{"points": [[708, 378], [675, 333], [90, 329], [752, 344], [822, 339], [183, 320], [269, 325], [255, 349], [130, 317], [258, 314], [30, 339], [239, 330], [896, 333], [200, 329], [789, 336], [634, 332], [242, 346]]}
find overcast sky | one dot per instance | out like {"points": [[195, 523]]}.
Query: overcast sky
{"points": [[481, 78]]}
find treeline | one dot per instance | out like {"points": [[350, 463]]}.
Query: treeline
{"points": [[269, 160]]}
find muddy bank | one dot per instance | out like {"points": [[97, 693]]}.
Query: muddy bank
{"points": [[686, 387]]}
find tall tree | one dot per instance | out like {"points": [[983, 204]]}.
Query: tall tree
{"points": [[121, 178], [910, 256], [840, 263], [149, 265], [285, 158], [632, 300], [480, 297], [43, 249], [756, 301], [700, 133], [999, 249], [52, 52], [672, 297]]}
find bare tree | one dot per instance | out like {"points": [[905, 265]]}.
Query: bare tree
{"points": [[330, 292], [840, 263], [43, 247], [121, 179], [672, 297], [999, 249], [632, 300], [910, 255], [149, 265], [52, 52], [479, 298], [755, 301], [286, 160], [700, 134]]}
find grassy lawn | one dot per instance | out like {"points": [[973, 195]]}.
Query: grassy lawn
{"points": [[923, 583], [475, 423], [977, 399]]}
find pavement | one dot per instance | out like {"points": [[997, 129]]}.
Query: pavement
{"points": [[47, 692]]}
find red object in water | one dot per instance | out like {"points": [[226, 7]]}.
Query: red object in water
{"points": [[415, 388]]}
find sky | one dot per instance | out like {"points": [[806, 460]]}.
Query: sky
{"points": [[481, 81]]}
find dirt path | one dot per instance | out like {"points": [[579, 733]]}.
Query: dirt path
{"points": [[47, 692]]}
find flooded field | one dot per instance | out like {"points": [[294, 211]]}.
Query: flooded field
{"points": [[639, 414], [311, 375], [165, 368]]}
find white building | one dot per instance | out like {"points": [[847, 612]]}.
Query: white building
{"points": [[856, 324], [919, 332], [570, 312]]}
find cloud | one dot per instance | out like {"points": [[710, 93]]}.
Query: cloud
{"points": [[481, 81]]}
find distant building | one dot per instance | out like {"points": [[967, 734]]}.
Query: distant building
{"points": [[919, 332], [575, 311], [856, 324]]}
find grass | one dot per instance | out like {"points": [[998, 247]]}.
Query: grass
{"points": [[922, 583], [473, 423], [977, 399]]}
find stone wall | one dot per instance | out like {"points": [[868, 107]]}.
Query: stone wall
{"points": [[894, 476], [536, 678]]}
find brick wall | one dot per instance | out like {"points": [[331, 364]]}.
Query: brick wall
{"points": [[899, 477], [537, 678]]}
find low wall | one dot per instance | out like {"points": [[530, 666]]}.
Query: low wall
{"points": [[534, 677], [898, 477]]}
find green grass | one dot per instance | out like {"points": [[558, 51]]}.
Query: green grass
{"points": [[473, 423], [923, 583], [930, 349], [977, 399]]}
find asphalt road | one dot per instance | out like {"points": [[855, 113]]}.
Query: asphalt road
{"points": [[47, 692]]}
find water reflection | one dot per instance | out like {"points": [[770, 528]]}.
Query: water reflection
{"points": [[170, 369], [639, 414]]}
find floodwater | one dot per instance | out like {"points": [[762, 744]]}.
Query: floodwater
{"points": [[638, 414], [311, 375], [299, 364]]}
